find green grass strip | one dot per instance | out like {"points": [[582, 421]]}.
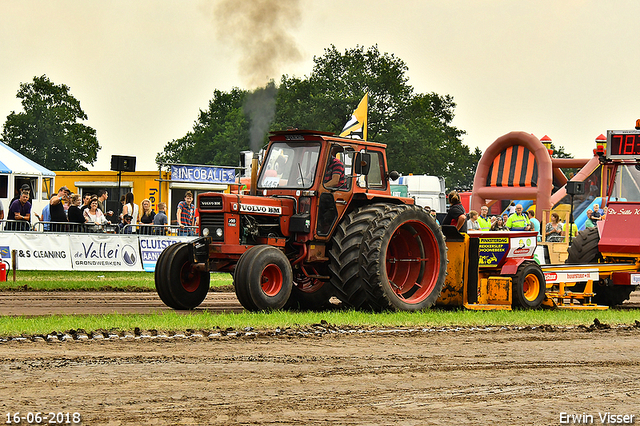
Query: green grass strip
{"points": [[177, 321], [90, 281]]}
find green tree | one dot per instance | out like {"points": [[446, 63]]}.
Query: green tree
{"points": [[416, 127], [218, 136], [50, 130]]}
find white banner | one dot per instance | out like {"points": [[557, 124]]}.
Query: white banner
{"points": [[95, 252], [36, 251], [152, 246]]}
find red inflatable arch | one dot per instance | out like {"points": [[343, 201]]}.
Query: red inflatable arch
{"points": [[516, 166]]}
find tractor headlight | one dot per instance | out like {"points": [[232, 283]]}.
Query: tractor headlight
{"points": [[205, 232], [219, 232]]}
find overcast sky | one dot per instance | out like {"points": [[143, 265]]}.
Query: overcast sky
{"points": [[142, 70]]}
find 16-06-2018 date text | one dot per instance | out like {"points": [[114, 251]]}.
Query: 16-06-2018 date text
{"points": [[36, 418]]}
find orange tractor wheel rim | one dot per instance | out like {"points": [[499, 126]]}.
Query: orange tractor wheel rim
{"points": [[531, 287], [271, 280]]}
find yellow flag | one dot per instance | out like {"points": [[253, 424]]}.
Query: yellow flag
{"points": [[357, 125]]}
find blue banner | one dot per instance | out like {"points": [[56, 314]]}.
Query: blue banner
{"points": [[203, 174]]}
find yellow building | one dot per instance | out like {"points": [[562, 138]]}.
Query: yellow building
{"points": [[153, 185]]}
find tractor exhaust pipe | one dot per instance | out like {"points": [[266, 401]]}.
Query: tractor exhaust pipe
{"points": [[254, 174]]}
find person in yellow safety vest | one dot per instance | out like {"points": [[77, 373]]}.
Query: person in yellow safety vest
{"points": [[483, 219], [518, 221]]}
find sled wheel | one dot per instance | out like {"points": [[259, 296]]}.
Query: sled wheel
{"points": [[187, 288], [528, 286], [403, 259]]}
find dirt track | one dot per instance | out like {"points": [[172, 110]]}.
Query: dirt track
{"points": [[31, 303], [435, 377], [464, 377]]}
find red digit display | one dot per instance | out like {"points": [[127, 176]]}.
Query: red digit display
{"points": [[624, 144]]}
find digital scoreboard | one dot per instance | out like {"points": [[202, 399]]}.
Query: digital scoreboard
{"points": [[623, 144]]}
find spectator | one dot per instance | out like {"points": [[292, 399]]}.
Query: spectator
{"points": [[122, 201], [589, 222], [518, 221], [483, 220], [126, 220], [46, 217], [20, 211], [434, 216], [18, 193], [535, 223], [76, 214], [146, 218], [1, 211], [93, 216], [597, 212], [512, 208], [186, 214], [131, 209], [456, 215], [56, 209], [102, 203], [472, 223], [505, 217], [553, 230], [86, 201], [160, 219], [498, 225], [573, 227]]}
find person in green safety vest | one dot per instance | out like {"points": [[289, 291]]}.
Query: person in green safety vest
{"points": [[518, 221], [483, 219]]}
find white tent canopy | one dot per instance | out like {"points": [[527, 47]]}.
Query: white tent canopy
{"points": [[11, 161], [16, 170]]}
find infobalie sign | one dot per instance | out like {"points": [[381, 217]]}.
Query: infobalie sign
{"points": [[203, 174]]}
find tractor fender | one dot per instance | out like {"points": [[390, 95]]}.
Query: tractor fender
{"points": [[510, 267]]}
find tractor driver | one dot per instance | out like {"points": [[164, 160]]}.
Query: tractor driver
{"points": [[334, 175]]}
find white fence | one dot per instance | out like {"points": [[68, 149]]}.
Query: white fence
{"points": [[53, 251]]}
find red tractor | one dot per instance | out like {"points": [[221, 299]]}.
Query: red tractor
{"points": [[307, 233]]}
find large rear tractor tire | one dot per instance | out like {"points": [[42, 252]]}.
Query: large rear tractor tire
{"points": [[403, 260], [584, 250], [178, 284], [344, 256], [263, 279], [529, 286]]}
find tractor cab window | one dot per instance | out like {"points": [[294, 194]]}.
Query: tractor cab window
{"points": [[339, 168], [289, 166], [375, 179]]}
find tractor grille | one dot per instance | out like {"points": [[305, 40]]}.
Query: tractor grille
{"points": [[210, 203], [215, 222]]}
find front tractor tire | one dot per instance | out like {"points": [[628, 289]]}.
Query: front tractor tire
{"points": [[403, 260], [178, 284], [529, 286], [263, 279]]}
